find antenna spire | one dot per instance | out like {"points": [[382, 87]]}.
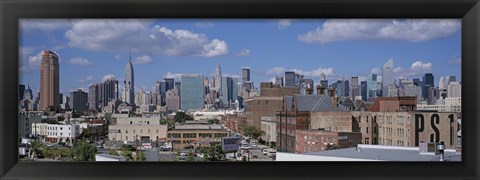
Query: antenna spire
{"points": [[129, 56]]}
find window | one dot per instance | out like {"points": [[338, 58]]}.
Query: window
{"points": [[156, 132], [220, 135], [141, 131], [258, 103], [130, 122], [126, 131], [323, 139], [126, 138], [134, 131], [189, 135], [149, 131], [266, 102], [366, 130], [205, 135]]}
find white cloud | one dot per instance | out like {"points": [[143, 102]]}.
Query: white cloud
{"points": [[412, 30], [376, 70], [243, 52], [142, 60], [455, 61], [120, 35], [86, 79], [315, 73], [173, 75], [118, 57], [204, 24], [276, 71], [284, 23], [108, 76], [44, 24], [417, 69], [361, 78], [419, 66], [398, 70], [80, 61]]}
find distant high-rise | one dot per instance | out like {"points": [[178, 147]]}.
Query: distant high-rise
{"points": [[218, 78], [322, 77], [371, 85], [173, 100], [364, 90], [346, 88], [245, 74], [169, 83], [129, 82], [78, 100], [192, 95], [49, 81], [428, 81], [93, 96], [109, 91], [454, 89], [354, 87], [289, 79], [279, 81], [306, 85], [387, 77], [340, 90]]}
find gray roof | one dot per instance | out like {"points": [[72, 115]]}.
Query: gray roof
{"points": [[316, 103], [386, 154], [288, 102]]}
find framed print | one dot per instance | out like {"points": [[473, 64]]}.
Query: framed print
{"points": [[239, 89]]}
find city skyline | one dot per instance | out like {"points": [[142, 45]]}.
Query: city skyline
{"points": [[97, 49]]}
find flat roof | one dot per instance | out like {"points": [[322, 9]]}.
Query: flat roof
{"points": [[387, 153]]}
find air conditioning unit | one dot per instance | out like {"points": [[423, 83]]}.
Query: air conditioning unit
{"points": [[428, 147]]}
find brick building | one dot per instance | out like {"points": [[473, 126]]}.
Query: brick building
{"points": [[268, 103], [296, 115], [319, 140], [394, 104]]}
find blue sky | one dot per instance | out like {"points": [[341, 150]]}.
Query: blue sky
{"points": [[91, 50]]}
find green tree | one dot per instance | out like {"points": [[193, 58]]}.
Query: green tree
{"points": [[35, 146], [213, 152], [252, 131], [113, 152], [168, 122], [190, 156], [182, 117], [107, 116], [140, 156], [83, 151]]}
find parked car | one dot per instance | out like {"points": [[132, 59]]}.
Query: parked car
{"points": [[265, 151]]}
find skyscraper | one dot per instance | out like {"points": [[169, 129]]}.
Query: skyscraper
{"points": [[371, 85], [192, 95], [428, 80], [364, 90], [109, 91], [354, 88], [78, 100], [387, 77], [279, 80], [49, 81], [129, 82], [93, 96], [169, 83], [289, 79], [21, 91], [218, 78], [245, 75]]}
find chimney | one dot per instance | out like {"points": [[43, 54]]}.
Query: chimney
{"points": [[334, 102], [331, 92], [309, 91], [320, 90]]}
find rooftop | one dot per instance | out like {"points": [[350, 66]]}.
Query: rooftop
{"points": [[370, 153]]}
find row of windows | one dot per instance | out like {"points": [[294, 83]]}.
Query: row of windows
{"points": [[141, 131], [266, 103], [200, 135], [328, 139]]}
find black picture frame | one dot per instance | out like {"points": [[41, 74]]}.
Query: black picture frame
{"points": [[467, 10]]}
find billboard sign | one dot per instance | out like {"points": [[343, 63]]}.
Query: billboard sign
{"points": [[230, 144]]}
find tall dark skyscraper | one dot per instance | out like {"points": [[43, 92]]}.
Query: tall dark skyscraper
{"points": [[289, 79], [169, 83], [78, 100], [49, 81], [245, 75], [93, 96], [346, 88], [129, 82], [364, 90], [428, 81], [21, 91], [110, 91]]}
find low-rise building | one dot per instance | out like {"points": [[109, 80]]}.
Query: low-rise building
{"points": [[134, 132], [320, 140], [196, 135], [56, 132], [269, 126]]}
